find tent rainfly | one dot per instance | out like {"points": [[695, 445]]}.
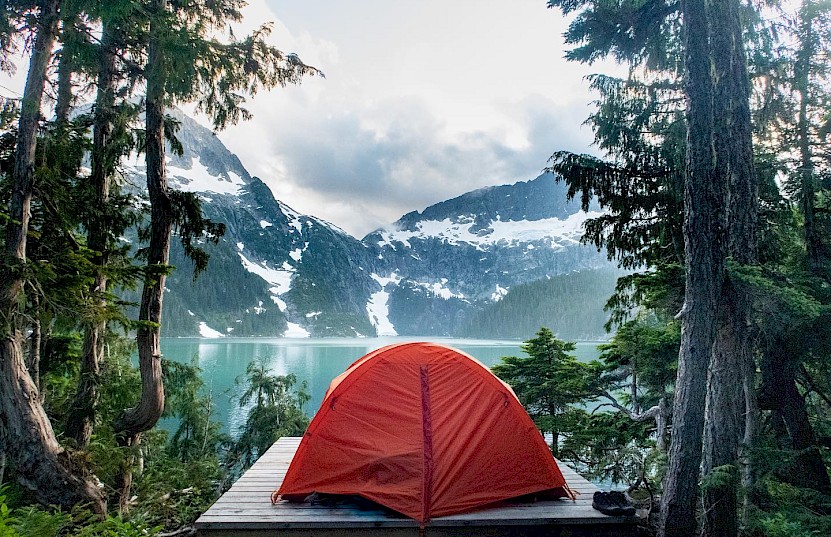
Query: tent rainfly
{"points": [[425, 430]]}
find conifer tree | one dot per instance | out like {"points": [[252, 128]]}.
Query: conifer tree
{"points": [[110, 144], [34, 449], [645, 34], [185, 64], [797, 132]]}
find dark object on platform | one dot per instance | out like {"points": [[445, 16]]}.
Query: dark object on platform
{"points": [[612, 503]]}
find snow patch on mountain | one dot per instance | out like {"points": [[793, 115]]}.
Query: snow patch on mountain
{"points": [[199, 179], [440, 289], [279, 279], [555, 231], [208, 332], [296, 331], [294, 218], [377, 307], [499, 294]]}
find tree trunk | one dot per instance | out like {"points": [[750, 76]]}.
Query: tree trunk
{"points": [[661, 421], [63, 102], [33, 361], [144, 416], [124, 480], [704, 251], [780, 394], [35, 452], [734, 341], [751, 430], [633, 388], [807, 181], [81, 417], [722, 426]]}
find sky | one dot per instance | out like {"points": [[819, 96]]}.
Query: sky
{"points": [[421, 102]]}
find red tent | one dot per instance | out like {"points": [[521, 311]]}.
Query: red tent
{"points": [[425, 430]]}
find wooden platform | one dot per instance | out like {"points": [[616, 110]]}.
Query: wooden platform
{"points": [[246, 511]]}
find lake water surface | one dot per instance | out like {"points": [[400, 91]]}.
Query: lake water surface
{"points": [[315, 361]]}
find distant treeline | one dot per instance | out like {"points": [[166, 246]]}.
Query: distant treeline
{"points": [[571, 304]]}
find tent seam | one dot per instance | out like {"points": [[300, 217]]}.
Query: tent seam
{"points": [[427, 429]]}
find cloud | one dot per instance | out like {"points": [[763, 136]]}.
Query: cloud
{"points": [[348, 165], [415, 108]]}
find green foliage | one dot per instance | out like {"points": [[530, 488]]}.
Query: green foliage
{"points": [[548, 380], [789, 511], [572, 304], [633, 31], [173, 493], [724, 477], [33, 521], [778, 525], [197, 437], [115, 527], [639, 123], [36, 521], [611, 447], [557, 392], [277, 411], [644, 350], [7, 521], [191, 225], [217, 74]]}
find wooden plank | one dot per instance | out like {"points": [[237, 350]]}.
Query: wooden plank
{"points": [[502, 514], [246, 509]]}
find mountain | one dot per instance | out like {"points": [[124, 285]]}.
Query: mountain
{"points": [[478, 246], [439, 272]]}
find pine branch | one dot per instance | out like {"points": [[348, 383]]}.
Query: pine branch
{"points": [[652, 413]]}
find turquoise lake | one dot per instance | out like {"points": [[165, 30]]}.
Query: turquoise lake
{"points": [[315, 361]]}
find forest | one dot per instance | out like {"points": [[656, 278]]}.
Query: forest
{"points": [[710, 402]]}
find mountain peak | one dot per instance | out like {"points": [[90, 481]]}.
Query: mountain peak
{"points": [[279, 272], [538, 199]]}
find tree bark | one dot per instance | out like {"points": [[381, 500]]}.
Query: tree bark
{"points": [[35, 339], [734, 340], [807, 180], [751, 430], [34, 450], [780, 394], [81, 417], [704, 252], [722, 427], [63, 103], [144, 416]]}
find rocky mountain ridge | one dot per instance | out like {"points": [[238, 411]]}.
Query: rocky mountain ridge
{"points": [[280, 273]]}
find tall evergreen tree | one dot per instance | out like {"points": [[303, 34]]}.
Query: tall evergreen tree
{"points": [[646, 34], [796, 131], [26, 428], [110, 143], [734, 345], [704, 249], [185, 64]]}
